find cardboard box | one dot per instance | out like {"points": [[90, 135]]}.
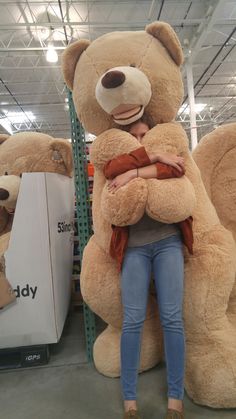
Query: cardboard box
{"points": [[39, 261]]}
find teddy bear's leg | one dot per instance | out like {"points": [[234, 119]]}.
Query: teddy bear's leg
{"points": [[210, 337], [100, 285], [107, 348]]}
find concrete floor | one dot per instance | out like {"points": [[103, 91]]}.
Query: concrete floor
{"points": [[70, 388]]}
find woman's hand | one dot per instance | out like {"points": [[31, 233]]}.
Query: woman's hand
{"points": [[168, 158], [121, 180]]}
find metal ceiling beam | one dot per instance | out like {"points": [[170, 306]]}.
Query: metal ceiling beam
{"points": [[193, 47], [200, 35], [86, 23], [30, 49], [160, 10], [33, 67], [214, 59], [138, 24], [54, 2], [153, 4]]}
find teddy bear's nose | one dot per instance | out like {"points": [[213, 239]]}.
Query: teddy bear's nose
{"points": [[4, 194], [112, 79]]}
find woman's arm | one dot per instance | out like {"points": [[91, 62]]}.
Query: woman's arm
{"points": [[158, 170], [139, 158]]}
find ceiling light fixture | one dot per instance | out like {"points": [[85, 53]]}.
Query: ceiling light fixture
{"points": [[6, 125], [198, 107], [51, 55], [18, 117]]}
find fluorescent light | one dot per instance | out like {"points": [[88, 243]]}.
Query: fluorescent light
{"points": [[51, 56], [198, 108], [19, 117], [89, 137], [6, 125]]}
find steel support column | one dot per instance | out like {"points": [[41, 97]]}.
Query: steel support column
{"points": [[192, 113], [82, 209]]}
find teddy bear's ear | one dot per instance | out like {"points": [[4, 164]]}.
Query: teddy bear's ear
{"points": [[70, 57], [167, 36], [3, 137], [62, 154]]}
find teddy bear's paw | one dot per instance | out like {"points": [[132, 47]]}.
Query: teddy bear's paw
{"points": [[211, 372], [170, 200], [100, 283], [126, 206], [7, 294], [106, 351], [110, 144], [168, 137]]}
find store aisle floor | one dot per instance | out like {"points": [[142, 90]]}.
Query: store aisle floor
{"points": [[70, 388]]}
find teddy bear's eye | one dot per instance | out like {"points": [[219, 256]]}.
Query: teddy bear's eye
{"points": [[132, 65], [6, 173], [20, 175]]}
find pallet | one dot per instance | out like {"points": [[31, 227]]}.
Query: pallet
{"points": [[24, 357]]}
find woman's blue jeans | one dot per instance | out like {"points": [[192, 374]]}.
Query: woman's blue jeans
{"points": [[165, 259]]}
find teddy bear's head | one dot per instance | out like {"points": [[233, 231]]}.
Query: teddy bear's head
{"points": [[29, 152], [122, 76]]}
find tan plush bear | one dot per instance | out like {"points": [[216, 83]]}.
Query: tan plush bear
{"points": [[115, 80], [21, 153], [215, 156]]}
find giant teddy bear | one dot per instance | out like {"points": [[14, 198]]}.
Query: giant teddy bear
{"points": [[215, 156], [115, 80], [20, 153]]}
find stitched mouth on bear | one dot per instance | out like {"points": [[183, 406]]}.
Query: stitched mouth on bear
{"points": [[122, 115]]}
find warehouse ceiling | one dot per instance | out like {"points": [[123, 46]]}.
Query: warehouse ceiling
{"points": [[33, 95]]}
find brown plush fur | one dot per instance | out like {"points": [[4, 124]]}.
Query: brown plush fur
{"points": [[21, 153], [210, 272]]}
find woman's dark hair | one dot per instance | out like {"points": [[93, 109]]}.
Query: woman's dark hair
{"points": [[145, 119]]}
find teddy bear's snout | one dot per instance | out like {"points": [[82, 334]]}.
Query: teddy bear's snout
{"points": [[113, 79], [4, 194]]}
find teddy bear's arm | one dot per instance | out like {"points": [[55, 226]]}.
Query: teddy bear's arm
{"points": [[127, 205], [111, 144], [170, 200], [132, 197]]}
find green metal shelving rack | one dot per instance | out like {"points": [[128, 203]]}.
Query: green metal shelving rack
{"points": [[82, 210]]}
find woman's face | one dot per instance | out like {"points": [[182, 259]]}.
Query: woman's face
{"points": [[138, 130]]}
